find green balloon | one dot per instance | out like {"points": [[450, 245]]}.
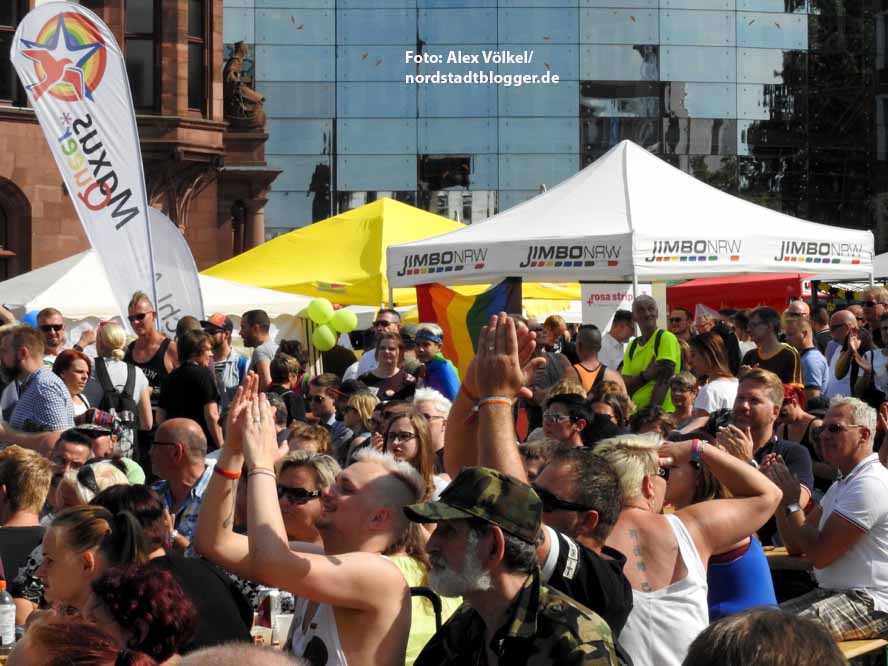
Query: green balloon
{"points": [[323, 338], [320, 310], [344, 321]]}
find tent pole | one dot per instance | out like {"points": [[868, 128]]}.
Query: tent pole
{"points": [[634, 286], [391, 302]]}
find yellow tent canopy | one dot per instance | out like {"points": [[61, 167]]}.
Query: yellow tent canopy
{"points": [[342, 258]]}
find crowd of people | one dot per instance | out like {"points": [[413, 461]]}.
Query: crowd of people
{"points": [[578, 496]]}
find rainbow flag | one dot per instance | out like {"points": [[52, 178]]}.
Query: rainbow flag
{"points": [[462, 317]]}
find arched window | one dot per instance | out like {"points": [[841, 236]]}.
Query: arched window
{"points": [[15, 230]]}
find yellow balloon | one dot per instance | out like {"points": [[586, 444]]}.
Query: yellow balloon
{"points": [[344, 321], [323, 338], [320, 310]]}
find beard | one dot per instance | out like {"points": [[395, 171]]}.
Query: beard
{"points": [[472, 578]]}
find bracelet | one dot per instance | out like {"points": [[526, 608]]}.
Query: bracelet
{"points": [[261, 470], [494, 400], [267, 469], [233, 476], [697, 447]]}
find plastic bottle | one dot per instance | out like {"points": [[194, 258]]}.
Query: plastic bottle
{"points": [[7, 620]]}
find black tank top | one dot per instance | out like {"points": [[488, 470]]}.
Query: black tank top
{"points": [[154, 369]]}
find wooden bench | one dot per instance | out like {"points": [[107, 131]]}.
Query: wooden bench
{"points": [[853, 649], [780, 560]]}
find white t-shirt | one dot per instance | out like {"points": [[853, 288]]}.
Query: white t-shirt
{"points": [[612, 351], [367, 362], [749, 345], [717, 394], [836, 386], [862, 499]]}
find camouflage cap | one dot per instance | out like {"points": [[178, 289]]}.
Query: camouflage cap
{"points": [[479, 492]]}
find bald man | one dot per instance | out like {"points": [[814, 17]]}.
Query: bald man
{"points": [[178, 457], [798, 308], [844, 371]]}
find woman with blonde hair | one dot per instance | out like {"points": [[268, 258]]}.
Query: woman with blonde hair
{"points": [[115, 376], [358, 416], [80, 486], [667, 554]]}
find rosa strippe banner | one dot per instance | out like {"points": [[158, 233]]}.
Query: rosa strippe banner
{"points": [[74, 73]]}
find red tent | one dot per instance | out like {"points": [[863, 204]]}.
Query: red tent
{"points": [[740, 291]]}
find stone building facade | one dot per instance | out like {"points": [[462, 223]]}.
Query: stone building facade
{"points": [[207, 174]]}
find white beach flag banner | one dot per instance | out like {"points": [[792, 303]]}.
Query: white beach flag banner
{"points": [[178, 285], [74, 73]]}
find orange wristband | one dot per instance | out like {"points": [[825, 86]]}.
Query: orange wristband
{"points": [[224, 472]]}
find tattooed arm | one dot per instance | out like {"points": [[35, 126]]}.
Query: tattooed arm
{"points": [[214, 537]]}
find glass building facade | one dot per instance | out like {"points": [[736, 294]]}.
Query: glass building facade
{"points": [[784, 102]]}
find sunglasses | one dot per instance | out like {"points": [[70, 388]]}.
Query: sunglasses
{"points": [[833, 428], [551, 502], [139, 316], [395, 437], [871, 304], [296, 495], [432, 417], [86, 475], [676, 320], [318, 398], [382, 323], [664, 472], [46, 328], [554, 417]]}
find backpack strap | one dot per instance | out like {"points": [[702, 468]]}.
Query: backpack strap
{"points": [[130, 386], [105, 379], [599, 377], [657, 337]]}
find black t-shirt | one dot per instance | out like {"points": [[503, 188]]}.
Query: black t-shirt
{"points": [[294, 403], [223, 614], [798, 460], [16, 543], [594, 580], [185, 393], [397, 387]]}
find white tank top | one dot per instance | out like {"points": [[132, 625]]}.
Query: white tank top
{"points": [[319, 643], [663, 623]]}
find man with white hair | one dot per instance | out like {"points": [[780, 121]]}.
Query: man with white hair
{"points": [[435, 408], [484, 548], [846, 537], [354, 605]]}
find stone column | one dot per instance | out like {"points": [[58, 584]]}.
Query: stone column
{"points": [[254, 227]]}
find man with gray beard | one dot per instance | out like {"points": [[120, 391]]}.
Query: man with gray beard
{"points": [[484, 549]]}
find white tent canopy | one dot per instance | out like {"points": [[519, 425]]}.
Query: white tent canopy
{"points": [[79, 288], [630, 215]]}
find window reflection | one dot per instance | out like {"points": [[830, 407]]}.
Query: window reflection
{"points": [[620, 99], [598, 135], [465, 207], [699, 136]]}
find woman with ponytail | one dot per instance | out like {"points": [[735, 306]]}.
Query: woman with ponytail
{"points": [[110, 366], [56, 640], [80, 544]]}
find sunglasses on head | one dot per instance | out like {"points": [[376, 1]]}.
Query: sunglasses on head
{"points": [[46, 328], [296, 495], [551, 502], [139, 316]]}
